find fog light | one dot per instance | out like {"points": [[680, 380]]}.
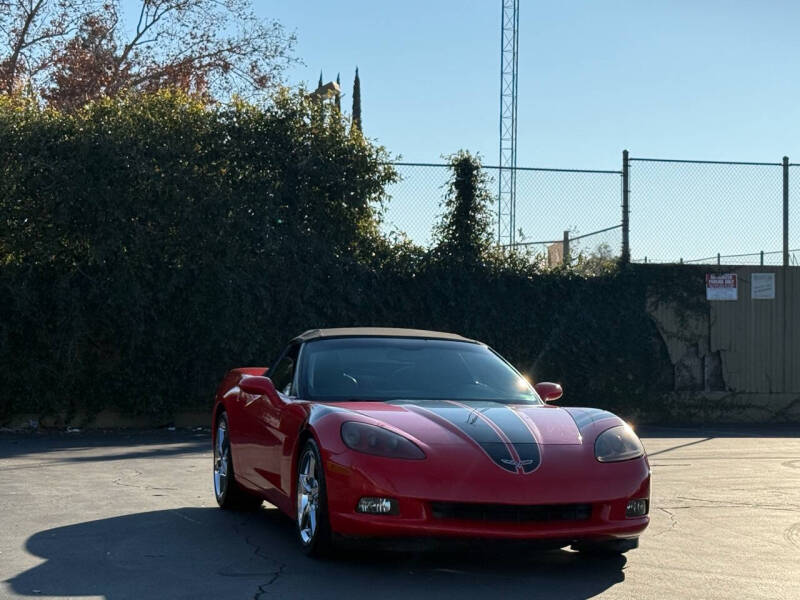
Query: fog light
{"points": [[377, 506], [636, 508]]}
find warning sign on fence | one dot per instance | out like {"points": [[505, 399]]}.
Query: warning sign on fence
{"points": [[762, 286], [721, 287]]}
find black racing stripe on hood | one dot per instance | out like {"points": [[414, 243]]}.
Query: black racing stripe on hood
{"points": [[514, 429], [584, 417], [518, 433], [472, 426]]}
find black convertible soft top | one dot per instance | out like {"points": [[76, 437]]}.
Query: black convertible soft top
{"points": [[340, 332]]}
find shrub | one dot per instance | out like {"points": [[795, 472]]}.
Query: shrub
{"points": [[150, 243]]}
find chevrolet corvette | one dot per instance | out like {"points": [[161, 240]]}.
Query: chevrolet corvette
{"points": [[378, 433]]}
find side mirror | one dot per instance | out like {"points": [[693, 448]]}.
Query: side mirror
{"points": [[257, 385], [550, 392]]}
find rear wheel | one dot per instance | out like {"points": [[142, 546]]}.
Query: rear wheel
{"points": [[227, 492], [313, 527]]}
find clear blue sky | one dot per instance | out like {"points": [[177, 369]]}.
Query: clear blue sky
{"points": [[696, 79], [706, 79]]}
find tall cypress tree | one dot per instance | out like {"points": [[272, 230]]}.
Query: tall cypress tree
{"points": [[357, 102], [339, 94]]}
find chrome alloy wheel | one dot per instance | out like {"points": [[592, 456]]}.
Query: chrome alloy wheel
{"points": [[308, 496], [222, 457]]}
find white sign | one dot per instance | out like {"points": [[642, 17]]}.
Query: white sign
{"points": [[762, 286], [721, 287]]}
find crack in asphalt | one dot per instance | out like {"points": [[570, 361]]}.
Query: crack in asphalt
{"points": [[137, 473], [715, 523], [730, 504], [33, 466], [673, 522], [792, 535], [262, 588], [260, 553]]}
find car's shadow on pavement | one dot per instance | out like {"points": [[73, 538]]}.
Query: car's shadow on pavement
{"points": [[206, 552]]}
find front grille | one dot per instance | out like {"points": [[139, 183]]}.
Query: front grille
{"points": [[511, 513]]}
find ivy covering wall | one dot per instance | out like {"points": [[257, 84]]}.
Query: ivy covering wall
{"points": [[151, 243]]}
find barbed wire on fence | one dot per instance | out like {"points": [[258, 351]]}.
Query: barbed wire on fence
{"points": [[754, 258]]}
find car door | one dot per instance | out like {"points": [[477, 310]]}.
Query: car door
{"points": [[264, 418]]}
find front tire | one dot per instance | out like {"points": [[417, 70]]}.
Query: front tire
{"points": [[227, 492], [313, 527]]}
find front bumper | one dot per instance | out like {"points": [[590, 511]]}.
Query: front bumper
{"points": [[418, 487], [416, 520]]}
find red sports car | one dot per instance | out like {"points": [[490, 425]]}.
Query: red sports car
{"points": [[401, 433]]}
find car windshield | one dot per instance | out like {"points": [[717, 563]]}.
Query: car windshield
{"points": [[376, 368]]}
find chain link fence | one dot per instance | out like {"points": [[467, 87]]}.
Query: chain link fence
{"points": [[546, 212], [702, 212], [583, 204], [706, 212], [415, 205]]}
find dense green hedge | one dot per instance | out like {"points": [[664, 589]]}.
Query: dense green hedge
{"points": [[149, 244]]}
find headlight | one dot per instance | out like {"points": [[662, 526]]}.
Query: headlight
{"points": [[617, 443], [378, 441]]}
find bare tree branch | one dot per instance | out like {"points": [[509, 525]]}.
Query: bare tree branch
{"points": [[30, 32], [72, 51], [20, 43]]}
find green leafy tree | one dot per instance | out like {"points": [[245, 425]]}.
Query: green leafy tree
{"points": [[153, 241], [142, 231], [465, 232], [600, 261]]}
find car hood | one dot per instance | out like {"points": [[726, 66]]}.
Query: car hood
{"points": [[510, 434]]}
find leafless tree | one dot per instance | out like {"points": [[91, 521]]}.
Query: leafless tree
{"points": [[29, 32], [209, 47]]}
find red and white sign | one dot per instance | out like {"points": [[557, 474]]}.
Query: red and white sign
{"points": [[721, 287]]}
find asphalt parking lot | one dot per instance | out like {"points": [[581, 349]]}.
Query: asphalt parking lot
{"points": [[132, 515]]}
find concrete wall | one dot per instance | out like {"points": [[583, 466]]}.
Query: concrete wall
{"points": [[744, 349], [759, 340]]}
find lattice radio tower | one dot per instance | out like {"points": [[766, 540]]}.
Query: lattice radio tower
{"points": [[509, 60]]}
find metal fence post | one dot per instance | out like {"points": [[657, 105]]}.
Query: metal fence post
{"points": [[626, 243], [565, 247], [785, 211]]}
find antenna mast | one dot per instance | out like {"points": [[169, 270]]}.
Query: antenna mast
{"points": [[509, 60]]}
